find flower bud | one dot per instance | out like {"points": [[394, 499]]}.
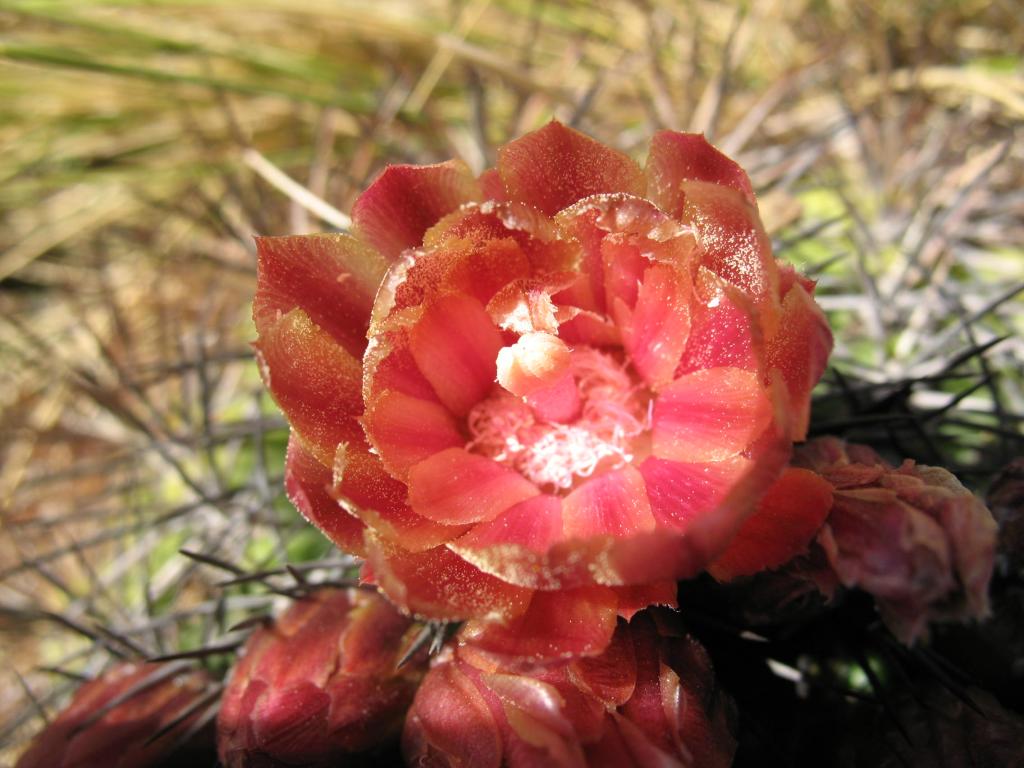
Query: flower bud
{"points": [[319, 685], [649, 699], [115, 721], [912, 536]]}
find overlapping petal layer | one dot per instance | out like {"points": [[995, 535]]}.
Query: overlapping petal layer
{"points": [[649, 699], [116, 720], [320, 684], [566, 386], [912, 536]]}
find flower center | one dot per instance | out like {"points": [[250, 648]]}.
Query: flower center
{"points": [[614, 412]]}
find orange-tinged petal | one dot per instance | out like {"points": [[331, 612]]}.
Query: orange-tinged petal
{"points": [[709, 415], [680, 492], [307, 483], [559, 624], [534, 524], [455, 487], [332, 278], [406, 200], [787, 519], [800, 350], [613, 503], [654, 333], [556, 166], [314, 381], [440, 584], [733, 241], [406, 430], [380, 501], [455, 344], [611, 677], [677, 157], [724, 329]]}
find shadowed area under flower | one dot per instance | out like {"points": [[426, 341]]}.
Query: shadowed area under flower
{"points": [[578, 372]]}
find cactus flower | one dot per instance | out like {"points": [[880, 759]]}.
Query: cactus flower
{"points": [[912, 536], [320, 684], [570, 373], [111, 721], [650, 699]]}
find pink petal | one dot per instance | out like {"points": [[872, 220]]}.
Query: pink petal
{"points": [[455, 487], [724, 331], [654, 334], [389, 364], [556, 166], [439, 584], [681, 492], [800, 350], [513, 545], [614, 504], [709, 415], [533, 524], [611, 677], [450, 716], [406, 200], [732, 239], [560, 624], [406, 430], [379, 500], [314, 381], [332, 278], [492, 185], [455, 345], [678, 157], [306, 482], [787, 519]]}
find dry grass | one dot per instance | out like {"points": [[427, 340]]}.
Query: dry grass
{"points": [[142, 145]]}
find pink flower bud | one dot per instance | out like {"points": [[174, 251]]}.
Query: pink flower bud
{"points": [[111, 721], [320, 684], [912, 536], [650, 699]]}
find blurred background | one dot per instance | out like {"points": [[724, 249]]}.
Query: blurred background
{"points": [[143, 144]]}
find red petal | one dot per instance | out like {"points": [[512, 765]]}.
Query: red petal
{"points": [[681, 492], [513, 545], [533, 524], [556, 166], [787, 518], [560, 624], [332, 278], [455, 345], [614, 503], [439, 584], [306, 482], [405, 430], [800, 349], [314, 381], [724, 331], [709, 415], [379, 500], [732, 239], [450, 716], [406, 200], [678, 157], [492, 185], [389, 364], [455, 487], [655, 333], [611, 676]]}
